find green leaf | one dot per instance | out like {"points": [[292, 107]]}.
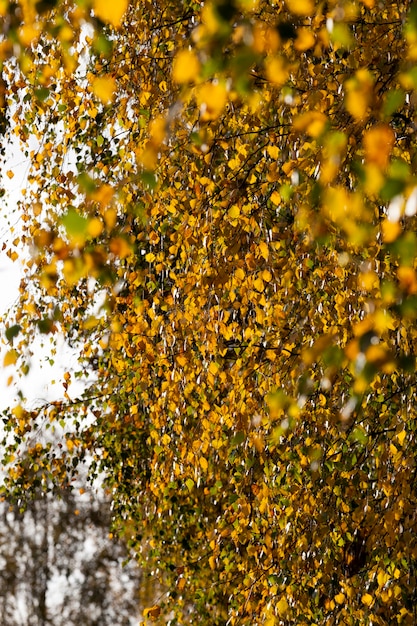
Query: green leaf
{"points": [[13, 331], [406, 248], [341, 34], [238, 438], [86, 183], [394, 100], [333, 356], [399, 170], [75, 224], [190, 484], [393, 187], [359, 435], [42, 93], [149, 179], [103, 45], [45, 325]]}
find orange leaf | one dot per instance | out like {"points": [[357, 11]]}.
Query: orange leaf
{"points": [[378, 142]]}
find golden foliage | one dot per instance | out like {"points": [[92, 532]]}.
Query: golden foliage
{"points": [[236, 182]]}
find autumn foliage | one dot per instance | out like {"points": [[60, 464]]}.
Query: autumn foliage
{"points": [[222, 221]]}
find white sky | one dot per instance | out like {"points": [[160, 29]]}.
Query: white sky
{"points": [[10, 272], [38, 386]]}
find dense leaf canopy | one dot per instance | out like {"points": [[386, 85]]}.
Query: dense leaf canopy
{"points": [[221, 216]]}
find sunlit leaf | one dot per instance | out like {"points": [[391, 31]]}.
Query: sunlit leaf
{"points": [[10, 358], [186, 67], [110, 12], [211, 99], [300, 7], [104, 88], [276, 70]]}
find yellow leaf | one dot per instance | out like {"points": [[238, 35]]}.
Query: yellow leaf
{"points": [[374, 179], [95, 227], [300, 7], [263, 249], [186, 67], [181, 584], [12, 255], [10, 174], [377, 353], [359, 93], [382, 578], [390, 231], [234, 212], [233, 164], [369, 280], [28, 34], [104, 87], [401, 436], [203, 463], [276, 71], [340, 598], [110, 11], [10, 358], [153, 612], [312, 122], [103, 194], [158, 129], [266, 276], [305, 39], [211, 99], [258, 284], [239, 274], [213, 368], [273, 151], [181, 360], [367, 599], [288, 167], [407, 279], [378, 143], [110, 217], [18, 411], [282, 606], [275, 197]]}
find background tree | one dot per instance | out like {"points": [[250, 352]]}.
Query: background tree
{"points": [[59, 565], [236, 181]]}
